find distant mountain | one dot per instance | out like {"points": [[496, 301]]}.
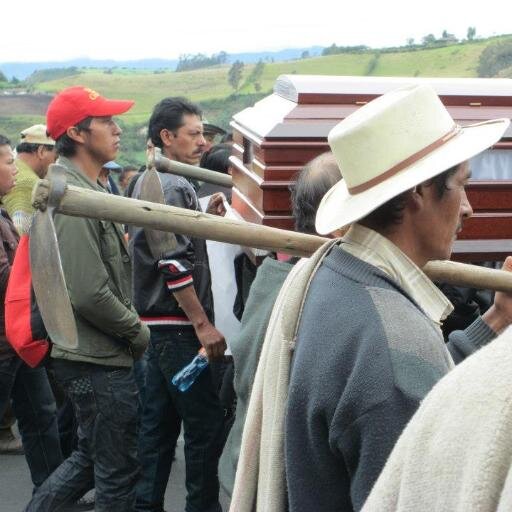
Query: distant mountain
{"points": [[288, 54], [22, 70]]}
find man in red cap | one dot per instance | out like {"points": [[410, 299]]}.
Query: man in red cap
{"points": [[98, 374]]}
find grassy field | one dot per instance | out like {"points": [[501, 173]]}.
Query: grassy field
{"points": [[210, 88]]}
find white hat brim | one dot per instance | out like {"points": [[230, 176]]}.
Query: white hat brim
{"points": [[339, 208]]}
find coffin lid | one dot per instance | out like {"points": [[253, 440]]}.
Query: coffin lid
{"points": [[308, 106]]}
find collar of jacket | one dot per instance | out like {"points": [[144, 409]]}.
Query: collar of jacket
{"points": [[82, 180], [78, 175]]}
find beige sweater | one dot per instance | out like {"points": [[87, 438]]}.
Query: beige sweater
{"points": [[456, 453]]}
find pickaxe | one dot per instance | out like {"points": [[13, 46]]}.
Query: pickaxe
{"points": [[163, 164], [53, 194]]}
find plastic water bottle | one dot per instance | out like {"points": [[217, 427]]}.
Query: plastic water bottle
{"points": [[188, 375]]}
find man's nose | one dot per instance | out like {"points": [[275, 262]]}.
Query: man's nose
{"points": [[465, 206], [117, 129]]}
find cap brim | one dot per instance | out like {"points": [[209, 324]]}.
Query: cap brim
{"points": [[112, 107], [339, 208], [112, 166]]}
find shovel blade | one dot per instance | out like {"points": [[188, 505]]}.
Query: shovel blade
{"points": [[49, 283], [159, 242]]}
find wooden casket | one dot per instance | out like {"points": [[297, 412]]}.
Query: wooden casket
{"points": [[279, 134]]}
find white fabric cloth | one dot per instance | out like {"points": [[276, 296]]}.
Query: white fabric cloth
{"points": [[492, 164], [456, 453], [221, 257]]}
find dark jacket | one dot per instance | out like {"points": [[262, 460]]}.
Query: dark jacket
{"points": [[155, 281], [97, 269], [9, 242]]}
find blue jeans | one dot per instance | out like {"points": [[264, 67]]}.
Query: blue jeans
{"points": [[106, 404], [165, 408], [34, 407]]}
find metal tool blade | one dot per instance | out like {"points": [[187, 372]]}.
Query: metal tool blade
{"points": [[49, 283], [159, 242]]}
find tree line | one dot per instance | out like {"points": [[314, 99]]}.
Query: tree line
{"points": [[427, 41], [189, 62]]}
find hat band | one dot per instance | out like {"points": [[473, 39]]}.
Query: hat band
{"points": [[405, 163]]}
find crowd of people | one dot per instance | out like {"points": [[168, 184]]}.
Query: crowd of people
{"points": [[339, 393]]}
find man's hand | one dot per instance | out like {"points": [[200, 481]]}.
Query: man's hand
{"points": [[212, 340], [140, 343], [499, 315], [216, 204]]}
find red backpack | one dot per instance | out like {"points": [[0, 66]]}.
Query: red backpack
{"points": [[24, 326]]}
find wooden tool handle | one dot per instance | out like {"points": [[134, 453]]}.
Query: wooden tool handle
{"points": [[80, 202], [164, 164], [471, 276]]}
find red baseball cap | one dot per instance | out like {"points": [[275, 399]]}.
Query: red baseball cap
{"points": [[75, 104]]}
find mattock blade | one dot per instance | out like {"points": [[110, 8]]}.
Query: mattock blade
{"points": [[159, 242], [49, 283]]}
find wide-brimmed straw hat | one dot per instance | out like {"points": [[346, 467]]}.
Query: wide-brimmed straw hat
{"points": [[392, 144]]}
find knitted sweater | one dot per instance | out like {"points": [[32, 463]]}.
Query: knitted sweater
{"points": [[456, 453], [246, 349], [366, 356]]}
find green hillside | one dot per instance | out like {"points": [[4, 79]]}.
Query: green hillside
{"points": [[211, 89], [458, 60]]}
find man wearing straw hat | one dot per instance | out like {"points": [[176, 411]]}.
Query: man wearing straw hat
{"points": [[369, 346]]}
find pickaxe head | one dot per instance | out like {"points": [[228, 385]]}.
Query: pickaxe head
{"points": [[47, 276], [159, 242]]}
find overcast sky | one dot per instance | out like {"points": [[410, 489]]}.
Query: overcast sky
{"points": [[33, 30]]}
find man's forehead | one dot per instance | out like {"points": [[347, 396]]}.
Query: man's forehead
{"points": [[192, 121], [102, 118]]}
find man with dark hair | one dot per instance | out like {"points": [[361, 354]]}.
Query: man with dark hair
{"points": [[216, 159], [176, 127], [35, 152], [27, 388], [97, 375], [369, 345], [173, 296]]}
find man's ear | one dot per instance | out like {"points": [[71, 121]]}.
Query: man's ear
{"points": [[167, 136], [75, 134], [40, 152], [415, 198]]}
